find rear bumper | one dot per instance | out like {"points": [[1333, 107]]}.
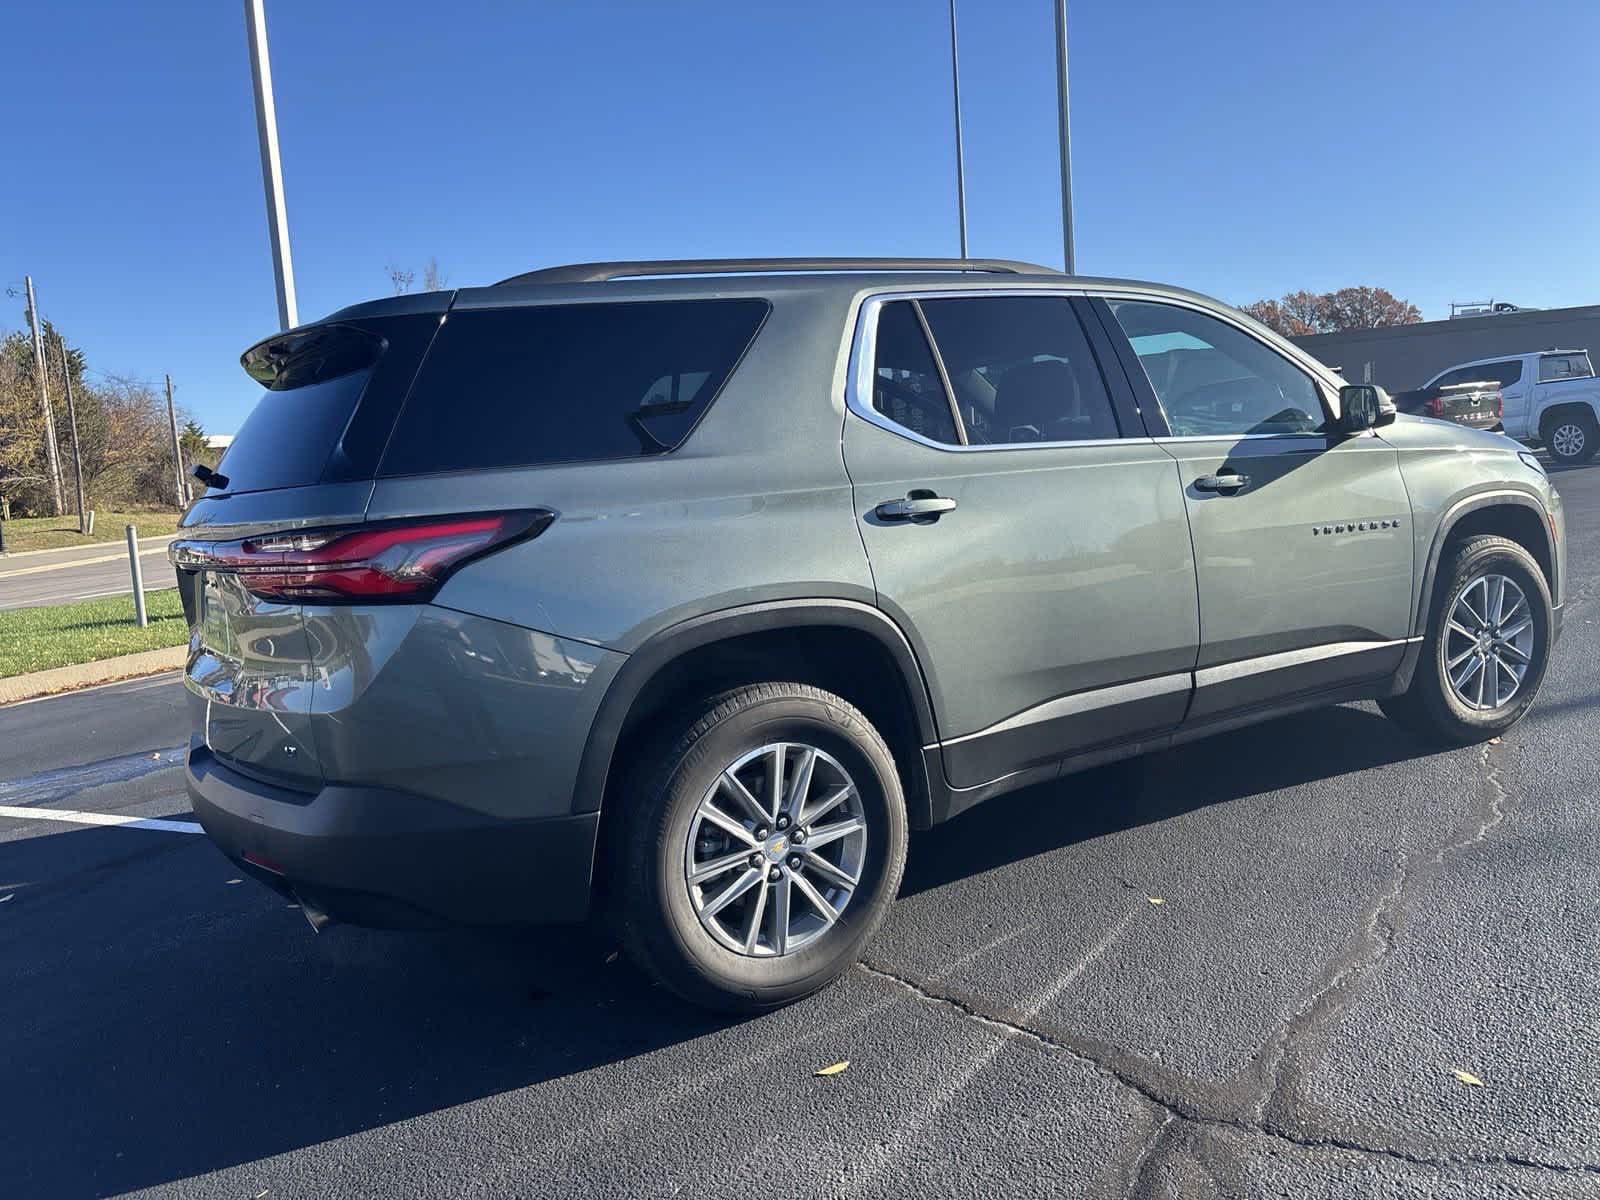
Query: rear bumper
{"points": [[371, 856]]}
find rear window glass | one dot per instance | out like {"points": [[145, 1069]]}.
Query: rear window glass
{"points": [[1564, 366], [314, 380], [568, 383]]}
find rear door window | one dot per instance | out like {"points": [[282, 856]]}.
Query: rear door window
{"points": [[1021, 369], [906, 388], [1498, 374], [539, 384]]}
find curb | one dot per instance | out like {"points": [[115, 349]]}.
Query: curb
{"points": [[107, 670]]}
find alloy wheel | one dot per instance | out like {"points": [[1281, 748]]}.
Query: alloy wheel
{"points": [[776, 849], [1488, 642], [1567, 440]]}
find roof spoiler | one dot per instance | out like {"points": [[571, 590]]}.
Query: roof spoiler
{"points": [[600, 272]]}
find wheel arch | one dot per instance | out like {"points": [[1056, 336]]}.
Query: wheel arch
{"points": [[727, 648], [1517, 515]]}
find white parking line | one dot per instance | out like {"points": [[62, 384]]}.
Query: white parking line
{"points": [[74, 817]]}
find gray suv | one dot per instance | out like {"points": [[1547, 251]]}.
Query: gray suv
{"points": [[680, 591]]}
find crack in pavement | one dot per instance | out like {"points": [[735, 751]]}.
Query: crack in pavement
{"points": [[1289, 1053], [1180, 1109]]}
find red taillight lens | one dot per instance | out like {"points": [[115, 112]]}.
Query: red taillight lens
{"points": [[1499, 405], [390, 561], [1434, 406]]}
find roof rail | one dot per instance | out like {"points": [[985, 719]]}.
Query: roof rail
{"points": [[601, 271]]}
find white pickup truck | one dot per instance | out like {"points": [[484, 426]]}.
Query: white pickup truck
{"points": [[1550, 398]]}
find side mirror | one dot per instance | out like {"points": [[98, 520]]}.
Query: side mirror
{"points": [[1363, 406]]}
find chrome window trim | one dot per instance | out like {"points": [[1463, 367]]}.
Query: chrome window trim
{"points": [[863, 350], [863, 354]]}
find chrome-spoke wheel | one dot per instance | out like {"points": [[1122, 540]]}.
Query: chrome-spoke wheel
{"points": [[1567, 440], [776, 849], [1488, 642]]}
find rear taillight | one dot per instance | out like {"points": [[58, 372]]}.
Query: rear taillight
{"points": [[1499, 405], [388, 561], [1434, 406]]}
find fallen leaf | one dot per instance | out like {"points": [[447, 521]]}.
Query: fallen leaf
{"points": [[1494, 741], [232, 881], [157, 754], [838, 1068], [612, 957], [1466, 1077], [1156, 899]]}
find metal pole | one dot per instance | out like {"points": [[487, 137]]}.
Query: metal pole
{"points": [[138, 577], [961, 171], [72, 418], [255, 20], [44, 401], [177, 453], [1068, 256]]}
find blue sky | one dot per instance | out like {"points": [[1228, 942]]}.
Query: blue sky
{"points": [[1243, 149]]}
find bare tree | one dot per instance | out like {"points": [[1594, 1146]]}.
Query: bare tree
{"points": [[433, 279]]}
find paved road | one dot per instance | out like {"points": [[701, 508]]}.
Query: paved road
{"points": [[1345, 920], [80, 573]]}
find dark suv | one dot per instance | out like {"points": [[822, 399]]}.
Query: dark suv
{"points": [[678, 591]]}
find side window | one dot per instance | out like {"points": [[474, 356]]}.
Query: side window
{"points": [[1021, 369], [1463, 375], [1213, 378], [1563, 366], [520, 386], [1504, 373], [905, 382]]}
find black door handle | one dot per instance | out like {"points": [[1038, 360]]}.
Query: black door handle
{"points": [[1226, 484], [920, 506]]}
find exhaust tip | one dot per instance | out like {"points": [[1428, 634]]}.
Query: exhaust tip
{"points": [[314, 915]]}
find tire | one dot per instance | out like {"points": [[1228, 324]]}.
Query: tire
{"points": [[1571, 435], [659, 908], [1433, 707]]}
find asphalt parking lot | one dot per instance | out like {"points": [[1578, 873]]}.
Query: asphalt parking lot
{"points": [[1250, 967]]}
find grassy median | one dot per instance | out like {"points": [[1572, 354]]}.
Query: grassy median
{"points": [[61, 635], [50, 533]]}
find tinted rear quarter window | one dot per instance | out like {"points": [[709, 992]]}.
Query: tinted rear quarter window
{"points": [[314, 379], [522, 386]]}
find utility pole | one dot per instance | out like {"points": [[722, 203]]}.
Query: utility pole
{"points": [[44, 401], [1070, 258], [961, 172], [255, 21], [72, 418], [177, 454]]}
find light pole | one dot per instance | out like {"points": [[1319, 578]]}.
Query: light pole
{"points": [[255, 21], [961, 172], [1067, 254]]}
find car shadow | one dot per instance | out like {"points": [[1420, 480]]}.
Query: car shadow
{"points": [[1297, 749], [161, 1018]]}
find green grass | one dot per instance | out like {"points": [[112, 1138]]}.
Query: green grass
{"points": [[60, 635], [48, 533]]}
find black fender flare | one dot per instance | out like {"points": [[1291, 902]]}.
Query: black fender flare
{"points": [[663, 647], [1448, 522]]}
